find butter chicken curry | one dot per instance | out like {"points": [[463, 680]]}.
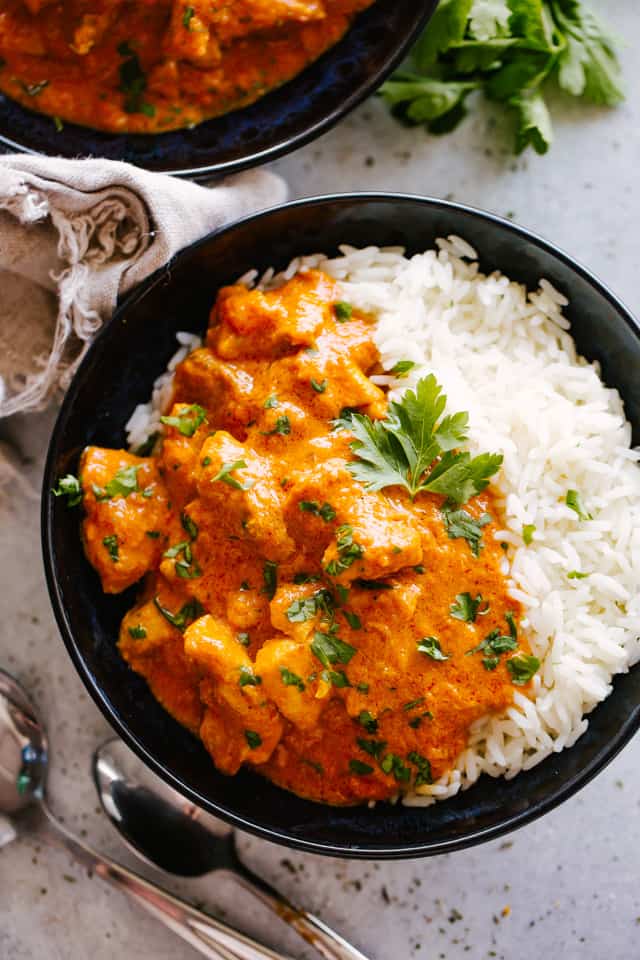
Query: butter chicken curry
{"points": [[154, 65], [311, 607]]}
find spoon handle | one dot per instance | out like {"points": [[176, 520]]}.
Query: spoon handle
{"points": [[326, 941], [213, 939]]}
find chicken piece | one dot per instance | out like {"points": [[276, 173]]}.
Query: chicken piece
{"points": [[239, 724], [244, 609], [155, 649], [126, 511], [233, 479], [244, 17], [289, 673], [180, 447], [362, 534], [224, 387], [188, 35], [35, 6], [252, 324], [92, 29], [296, 610]]}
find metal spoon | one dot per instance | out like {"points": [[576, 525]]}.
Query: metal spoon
{"points": [[23, 771], [169, 832]]}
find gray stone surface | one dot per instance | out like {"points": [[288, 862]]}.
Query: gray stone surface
{"points": [[568, 884]]}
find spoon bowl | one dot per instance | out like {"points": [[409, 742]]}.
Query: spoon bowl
{"points": [[23, 749]]}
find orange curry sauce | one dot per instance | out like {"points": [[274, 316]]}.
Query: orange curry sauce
{"points": [[154, 65], [239, 522]]}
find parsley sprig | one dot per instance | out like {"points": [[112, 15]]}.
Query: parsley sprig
{"points": [[418, 448], [513, 51]]}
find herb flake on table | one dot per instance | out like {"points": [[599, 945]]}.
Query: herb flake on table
{"points": [[514, 52]]}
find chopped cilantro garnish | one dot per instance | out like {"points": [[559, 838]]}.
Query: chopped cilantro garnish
{"points": [[253, 739], [360, 768], [352, 619], [270, 577], [70, 488], [329, 649], [343, 311], [319, 387], [248, 678], [348, 551], [282, 426], [291, 679], [431, 647], [188, 421], [138, 632], [466, 608], [186, 615], [368, 721], [402, 368], [574, 501], [271, 402], [528, 531], [522, 667], [111, 543], [460, 524], [188, 525], [224, 474], [122, 484], [325, 511], [187, 15]]}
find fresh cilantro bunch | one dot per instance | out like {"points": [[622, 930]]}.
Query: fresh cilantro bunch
{"points": [[511, 50], [417, 447]]}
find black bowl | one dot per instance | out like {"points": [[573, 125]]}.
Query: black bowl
{"points": [[118, 372], [281, 121]]}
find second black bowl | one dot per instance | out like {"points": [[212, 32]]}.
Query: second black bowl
{"points": [[118, 373], [281, 121]]}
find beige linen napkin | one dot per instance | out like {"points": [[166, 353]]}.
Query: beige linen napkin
{"points": [[74, 235]]}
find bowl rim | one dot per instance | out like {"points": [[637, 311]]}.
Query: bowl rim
{"points": [[390, 851], [288, 145]]}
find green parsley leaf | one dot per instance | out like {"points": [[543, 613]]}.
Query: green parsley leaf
{"points": [[188, 421], [186, 615], [69, 487], [402, 368], [224, 474], [360, 768], [248, 678], [460, 524], [348, 551], [271, 402], [188, 525], [337, 678], [511, 50], [291, 679], [362, 687], [111, 543], [122, 484], [330, 649], [373, 747], [416, 447], [282, 426], [522, 667], [424, 768], [253, 739], [490, 663], [352, 619], [574, 501], [187, 16], [393, 764], [270, 577], [343, 311], [138, 632], [368, 721], [325, 511], [319, 387], [431, 647], [466, 608], [302, 610], [528, 530]]}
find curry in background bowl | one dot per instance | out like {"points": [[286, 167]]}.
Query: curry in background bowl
{"points": [[157, 65]]}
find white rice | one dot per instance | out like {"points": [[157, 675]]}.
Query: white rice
{"points": [[504, 354]]}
